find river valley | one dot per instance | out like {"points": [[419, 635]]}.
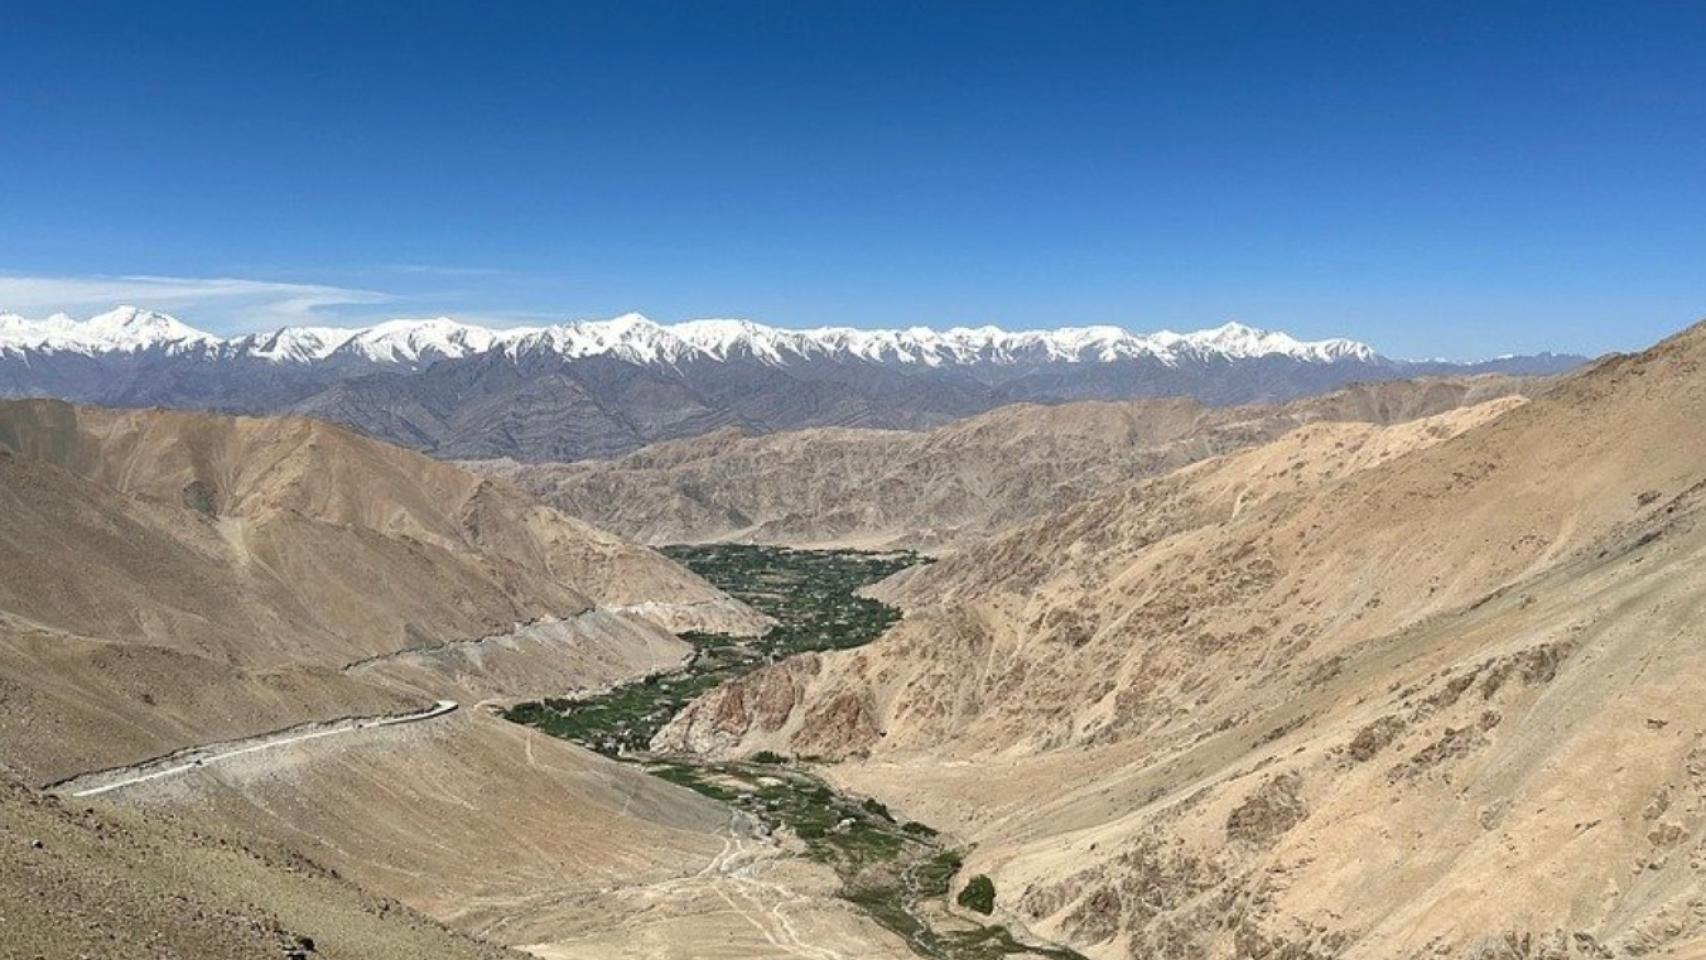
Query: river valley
{"points": [[898, 872]]}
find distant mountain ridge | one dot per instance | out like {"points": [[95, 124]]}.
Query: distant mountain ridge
{"points": [[636, 338], [937, 490], [600, 388]]}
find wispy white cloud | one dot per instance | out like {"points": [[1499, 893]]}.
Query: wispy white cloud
{"points": [[440, 270], [220, 304]]}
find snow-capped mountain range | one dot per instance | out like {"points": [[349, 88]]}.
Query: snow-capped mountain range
{"points": [[636, 339], [597, 388]]}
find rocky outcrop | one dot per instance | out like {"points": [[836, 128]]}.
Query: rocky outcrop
{"points": [[744, 715]]}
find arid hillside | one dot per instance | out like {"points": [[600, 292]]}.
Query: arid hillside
{"points": [[173, 578], [939, 488], [269, 597], [1426, 690], [78, 882]]}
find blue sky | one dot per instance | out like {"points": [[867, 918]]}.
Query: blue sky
{"points": [[1435, 178]]}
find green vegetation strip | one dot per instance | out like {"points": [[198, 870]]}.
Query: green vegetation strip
{"points": [[892, 870]]}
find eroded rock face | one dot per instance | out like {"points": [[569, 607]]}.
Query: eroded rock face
{"points": [[843, 725], [1271, 809], [1373, 738], [742, 715], [1530, 945]]}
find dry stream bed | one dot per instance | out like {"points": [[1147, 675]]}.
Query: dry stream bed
{"points": [[899, 873]]}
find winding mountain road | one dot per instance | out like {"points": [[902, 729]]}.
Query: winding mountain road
{"points": [[192, 758]]}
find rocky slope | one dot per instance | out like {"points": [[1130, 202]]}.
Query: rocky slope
{"points": [[937, 488], [1414, 691], [80, 882], [604, 388]]}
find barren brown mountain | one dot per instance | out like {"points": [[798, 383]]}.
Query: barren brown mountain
{"points": [[938, 488], [1423, 690], [216, 575], [265, 594]]}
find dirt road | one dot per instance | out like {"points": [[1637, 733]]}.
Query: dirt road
{"points": [[183, 761]]}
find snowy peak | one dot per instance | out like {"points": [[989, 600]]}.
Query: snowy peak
{"points": [[293, 344], [417, 342], [1236, 340], [123, 330], [138, 324], [632, 337], [726, 339]]}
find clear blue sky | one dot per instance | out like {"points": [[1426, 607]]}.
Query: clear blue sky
{"points": [[1435, 178]]}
